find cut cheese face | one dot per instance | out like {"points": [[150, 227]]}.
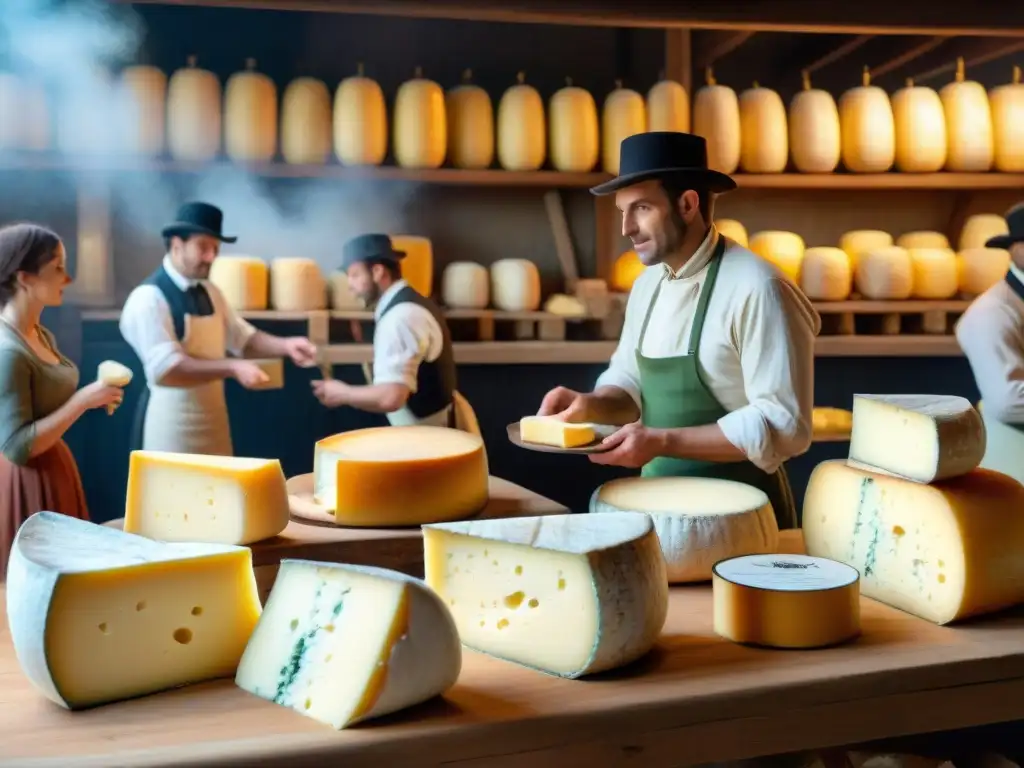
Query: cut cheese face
{"points": [[547, 430], [942, 552], [399, 476], [98, 615], [920, 437], [786, 601], [346, 643], [699, 520], [569, 595], [214, 499]]}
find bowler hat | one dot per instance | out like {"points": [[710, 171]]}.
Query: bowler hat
{"points": [[662, 155], [369, 248], [197, 219], [1015, 223]]}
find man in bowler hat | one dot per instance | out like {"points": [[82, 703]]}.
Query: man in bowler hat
{"points": [[189, 340], [714, 372], [413, 361]]}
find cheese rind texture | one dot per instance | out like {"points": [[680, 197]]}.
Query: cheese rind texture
{"points": [[545, 430], [97, 615], [943, 552], [346, 643], [918, 437], [569, 595], [213, 499], [699, 520], [785, 601]]}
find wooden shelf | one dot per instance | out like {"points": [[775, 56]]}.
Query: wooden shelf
{"points": [[880, 181]]}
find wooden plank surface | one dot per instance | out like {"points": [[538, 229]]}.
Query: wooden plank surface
{"points": [[695, 698]]}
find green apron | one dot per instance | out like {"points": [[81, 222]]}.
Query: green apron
{"points": [[673, 395]]}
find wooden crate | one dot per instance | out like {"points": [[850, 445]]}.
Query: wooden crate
{"points": [[889, 318]]}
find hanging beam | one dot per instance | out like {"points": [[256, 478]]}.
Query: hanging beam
{"points": [[911, 54], [836, 54], [994, 54], [710, 46]]}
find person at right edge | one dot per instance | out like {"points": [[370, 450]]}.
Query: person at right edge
{"points": [[713, 375]]}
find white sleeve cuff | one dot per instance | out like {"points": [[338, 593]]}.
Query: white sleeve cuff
{"points": [[747, 429]]}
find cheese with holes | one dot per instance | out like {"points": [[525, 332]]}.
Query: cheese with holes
{"points": [[699, 520], [884, 273], [465, 285], [943, 551], [783, 249], [980, 228], [934, 273], [243, 280], [404, 475], [515, 285], [569, 595], [346, 643], [920, 437], [195, 497], [547, 430], [97, 615], [911, 240], [785, 601], [857, 241], [978, 269], [297, 285], [826, 274]]}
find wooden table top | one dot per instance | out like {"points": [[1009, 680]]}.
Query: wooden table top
{"points": [[696, 698]]}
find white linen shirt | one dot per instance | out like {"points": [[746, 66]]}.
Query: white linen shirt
{"points": [[403, 338]]}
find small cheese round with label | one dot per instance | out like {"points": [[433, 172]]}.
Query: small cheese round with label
{"points": [[884, 273], [826, 274], [465, 285], [978, 269], [243, 281], [297, 285], [934, 273], [515, 285]]}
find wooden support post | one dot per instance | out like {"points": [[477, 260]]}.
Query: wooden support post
{"points": [[678, 58]]}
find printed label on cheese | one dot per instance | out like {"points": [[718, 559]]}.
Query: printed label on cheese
{"points": [[545, 430]]}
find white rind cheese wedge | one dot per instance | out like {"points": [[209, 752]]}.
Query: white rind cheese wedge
{"points": [[942, 552], [920, 437], [785, 601], [699, 520], [547, 430], [569, 595], [346, 643], [98, 615]]}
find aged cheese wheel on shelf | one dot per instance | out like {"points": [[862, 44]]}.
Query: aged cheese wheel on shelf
{"points": [[980, 228], [400, 476], [343, 644], [360, 121], [470, 118], [515, 285], [624, 115], [884, 273], [341, 295], [1007, 105], [244, 281], [921, 140], [826, 274], [968, 124], [922, 240], [26, 114], [716, 117], [978, 269], [193, 113], [575, 144], [934, 273], [143, 104], [297, 285], [867, 128], [418, 263], [764, 134], [522, 139], [306, 122], [626, 269], [465, 285], [596, 582], [814, 139], [773, 601], [250, 116], [783, 249], [550, 430], [564, 305], [857, 241], [97, 615], [668, 107], [732, 229], [421, 125], [699, 520], [942, 551]]}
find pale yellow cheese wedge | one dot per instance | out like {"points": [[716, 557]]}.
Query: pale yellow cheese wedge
{"points": [[547, 430]]}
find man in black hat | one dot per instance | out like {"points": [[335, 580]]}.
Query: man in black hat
{"points": [[413, 361], [714, 372], [182, 329]]}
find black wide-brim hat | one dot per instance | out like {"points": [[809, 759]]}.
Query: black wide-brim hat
{"points": [[665, 154], [1015, 223], [198, 219], [369, 248]]}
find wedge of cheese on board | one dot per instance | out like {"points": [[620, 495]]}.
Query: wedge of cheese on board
{"points": [[699, 520], [213, 499], [345, 643], [569, 595], [546, 430], [98, 615], [943, 551], [919, 437]]}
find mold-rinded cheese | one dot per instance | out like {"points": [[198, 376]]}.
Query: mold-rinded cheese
{"points": [[97, 615], [297, 285], [546, 430], [569, 595], [699, 520], [398, 476], [943, 552], [465, 285], [935, 273], [243, 280], [826, 274], [515, 285], [346, 643], [884, 274], [213, 499], [919, 437], [786, 601]]}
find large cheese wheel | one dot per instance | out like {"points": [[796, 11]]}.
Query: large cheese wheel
{"points": [[250, 116], [418, 263], [421, 126], [732, 229], [867, 128], [470, 118], [716, 117], [297, 285], [522, 139], [884, 273], [968, 124], [980, 228], [921, 140], [857, 241], [978, 269], [923, 239], [575, 144], [243, 280], [814, 140], [360, 121], [826, 274], [764, 135], [26, 114], [624, 115], [783, 249], [193, 113], [626, 269], [306, 122], [465, 285], [515, 285], [1007, 105], [934, 273], [668, 108], [143, 103]]}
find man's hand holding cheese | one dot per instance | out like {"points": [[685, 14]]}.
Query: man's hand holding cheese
{"points": [[714, 372]]}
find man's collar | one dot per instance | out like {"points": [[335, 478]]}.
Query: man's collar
{"points": [[386, 297], [698, 261], [184, 283]]}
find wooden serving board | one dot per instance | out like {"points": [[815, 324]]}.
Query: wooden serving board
{"points": [[694, 699]]}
